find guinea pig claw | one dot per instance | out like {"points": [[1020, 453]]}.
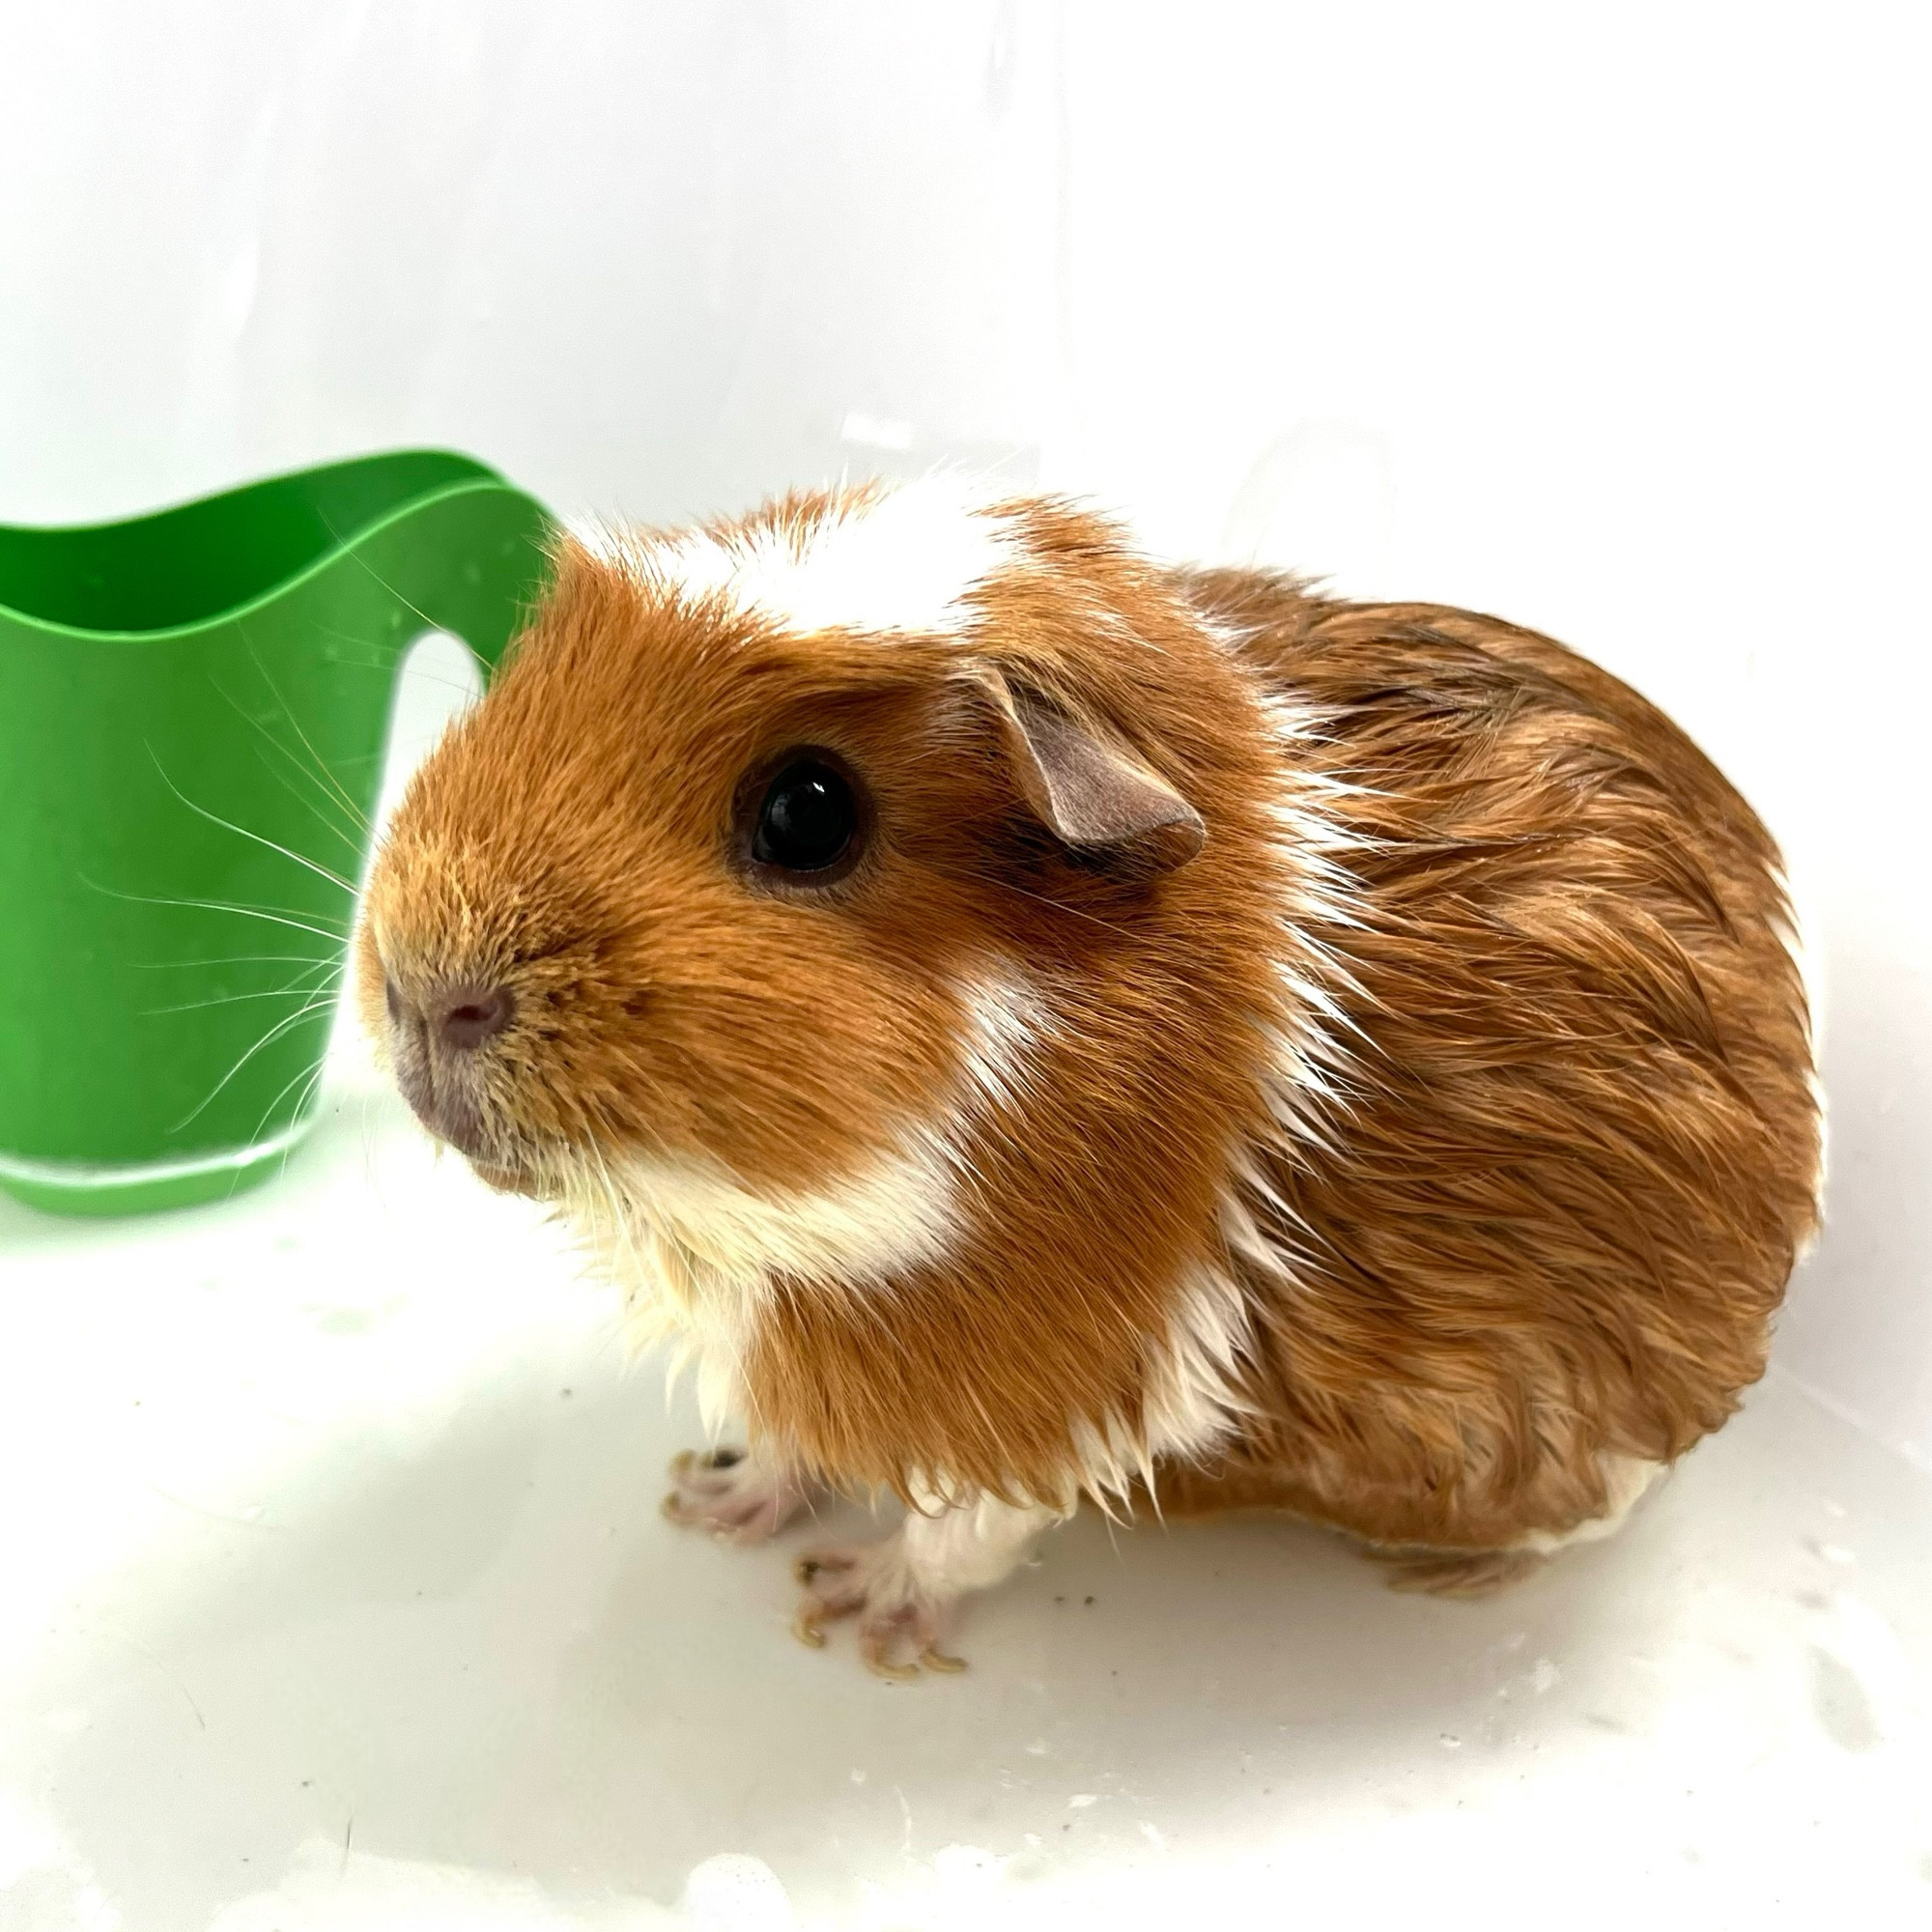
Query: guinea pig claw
{"points": [[876, 1642], [875, 1649], [810, 1568], [733, 1495], [895, 1621]]}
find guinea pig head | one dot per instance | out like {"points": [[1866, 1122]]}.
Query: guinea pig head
{"points": [[743, 866]]}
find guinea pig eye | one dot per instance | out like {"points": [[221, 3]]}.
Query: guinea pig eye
{"points": [[808, 819]]}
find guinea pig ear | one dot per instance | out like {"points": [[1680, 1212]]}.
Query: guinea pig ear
{"points": [[1088, 789]]}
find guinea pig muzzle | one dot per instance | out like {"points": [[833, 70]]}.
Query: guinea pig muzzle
{"points": [[438, 1043]]}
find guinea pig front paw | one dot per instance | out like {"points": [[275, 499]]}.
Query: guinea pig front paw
{"points": [[734, 1495], [873, 1583]]}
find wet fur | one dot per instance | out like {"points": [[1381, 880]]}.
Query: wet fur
{"points": [[1433, 1145]]}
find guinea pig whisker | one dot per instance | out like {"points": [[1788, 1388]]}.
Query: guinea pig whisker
{"points": [[235, 959], [369, 1176], [1040, 898], [329, 777], [353, 841], [309, 1077], [302, 1103], [236, 999], [275, 916], [331, 792], [289, 992], [620, 1219], [321, 871], [320, 1004], [384, 662], [362, 563]]}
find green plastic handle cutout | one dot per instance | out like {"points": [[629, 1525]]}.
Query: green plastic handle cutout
{"points": [[193, 708]]}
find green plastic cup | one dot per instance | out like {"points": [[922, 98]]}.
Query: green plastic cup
{"points": [[193, 708]]}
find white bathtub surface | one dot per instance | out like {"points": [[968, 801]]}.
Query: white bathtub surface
{"points": [[338, 1596]]}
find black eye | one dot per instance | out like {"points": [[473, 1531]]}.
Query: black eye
{"points": [[807, 820]]}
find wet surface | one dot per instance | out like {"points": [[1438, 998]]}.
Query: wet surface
{"points": [[339, 1596]]}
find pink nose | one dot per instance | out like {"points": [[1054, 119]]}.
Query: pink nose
{"points": [[460, 1017], [468, 1016]]}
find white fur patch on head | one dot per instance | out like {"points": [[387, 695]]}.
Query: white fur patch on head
{"points": [[899, 561]]}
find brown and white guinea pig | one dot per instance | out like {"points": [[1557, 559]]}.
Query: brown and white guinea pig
{"points": [[1031, 1022]]}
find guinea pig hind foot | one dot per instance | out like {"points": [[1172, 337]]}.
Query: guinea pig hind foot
{"points": [[1467, 1573], [736, 1496]]}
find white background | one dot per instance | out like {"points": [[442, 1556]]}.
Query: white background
{"points": [[1613, 320]]}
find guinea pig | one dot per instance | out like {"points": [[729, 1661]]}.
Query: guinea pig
{"points": [[1032, 1023]]}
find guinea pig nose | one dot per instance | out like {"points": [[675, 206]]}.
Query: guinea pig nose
{"points": [[466, 1016]]}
